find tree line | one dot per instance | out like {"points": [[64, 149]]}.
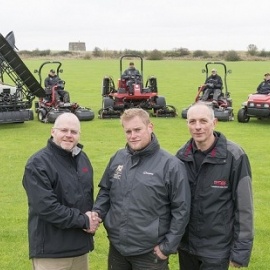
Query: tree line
{"points": [[252, 53]]}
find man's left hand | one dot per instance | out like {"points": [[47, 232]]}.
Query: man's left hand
{"points": [[158, 252], [235, 265]]}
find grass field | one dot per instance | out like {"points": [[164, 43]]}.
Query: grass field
{"points": [[178, 82]]}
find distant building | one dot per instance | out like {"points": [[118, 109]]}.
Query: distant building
{"points": [[77, 46]]}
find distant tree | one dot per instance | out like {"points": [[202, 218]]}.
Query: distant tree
{"points": [[177, 52], [252, 49], [222, 54], [37, 52], [170, 54], [145, 53], [97, 52], [183, 52], [155, 55], [116, 54], [87, 56], [263, 53], [62, 53], [232, 56], [25, 52], [133, 52], [200, 53]]}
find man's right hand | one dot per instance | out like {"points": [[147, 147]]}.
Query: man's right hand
{"points": [[94, 221]]}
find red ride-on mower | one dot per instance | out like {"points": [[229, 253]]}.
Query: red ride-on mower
{"points": [[223, 108], [116, 100], [49, 107], [257, 106]]}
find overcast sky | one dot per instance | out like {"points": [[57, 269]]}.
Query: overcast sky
{"points": [[138, 24]]}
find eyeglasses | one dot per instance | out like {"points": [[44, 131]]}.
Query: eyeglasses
{"points": [[66, 131]]}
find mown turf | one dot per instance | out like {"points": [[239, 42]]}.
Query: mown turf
{"points": [[178, 82]]}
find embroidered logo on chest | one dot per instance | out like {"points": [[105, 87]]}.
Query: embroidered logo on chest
{"points": [[118, 172], [220, 184]]}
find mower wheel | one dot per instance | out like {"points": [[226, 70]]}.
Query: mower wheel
{"points": [[242, 116], [184, 113], [152, 84], [31, 115], [105, 86], [160, 102], [41, 115], [107, 103], [52, 115], [85, 114]]}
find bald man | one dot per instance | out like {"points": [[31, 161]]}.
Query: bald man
{"points": [[58, 180]]}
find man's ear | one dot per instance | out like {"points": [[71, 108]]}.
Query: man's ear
{"points": [[215, 121], [151, 126]]}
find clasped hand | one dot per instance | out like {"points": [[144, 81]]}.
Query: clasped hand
{"points": [[236, 265], [94, 221]]}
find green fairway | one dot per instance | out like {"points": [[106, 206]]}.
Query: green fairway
{"points": [[178, 82]]}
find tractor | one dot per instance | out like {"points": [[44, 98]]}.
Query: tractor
{"points": [[117, 99], [223, 108], [48, 107], [257, 106]]}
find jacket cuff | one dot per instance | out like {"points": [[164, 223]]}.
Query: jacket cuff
{"points": [[163, 250], [86, 225], [241, 253]]}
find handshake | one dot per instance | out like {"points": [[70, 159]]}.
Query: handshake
{"points": [[94, 221]]}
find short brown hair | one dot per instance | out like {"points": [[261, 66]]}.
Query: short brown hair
{"points": [[133, 112]]}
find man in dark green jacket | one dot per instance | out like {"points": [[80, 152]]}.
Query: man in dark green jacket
{"points": [[144, 199], [220, 230]]}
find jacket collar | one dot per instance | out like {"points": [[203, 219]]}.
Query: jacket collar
{"points": [[75, 151], [218, 150], [148, 150]]}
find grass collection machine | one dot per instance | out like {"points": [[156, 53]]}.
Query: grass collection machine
{"points": [[116, 99], [18, 87], [49, 107], [223, 108]]}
